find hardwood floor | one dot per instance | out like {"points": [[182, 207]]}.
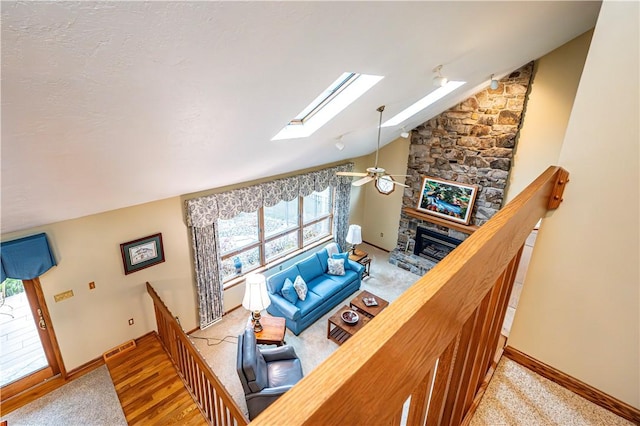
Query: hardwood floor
{"points": [[149, 388]]}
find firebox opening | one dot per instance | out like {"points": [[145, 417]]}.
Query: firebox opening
{"points": [[433, 245]]}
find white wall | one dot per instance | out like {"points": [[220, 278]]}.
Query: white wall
{"points": [[580, 305]]}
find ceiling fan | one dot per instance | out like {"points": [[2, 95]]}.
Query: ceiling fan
{"points": [[385, 184]]}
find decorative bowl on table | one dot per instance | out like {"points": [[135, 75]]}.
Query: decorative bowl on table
{"points": [[350, 317]]}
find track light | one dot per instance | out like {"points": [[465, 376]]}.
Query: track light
{"points": [[340, 144], [404, 133], [494, 83], [438, 79]]}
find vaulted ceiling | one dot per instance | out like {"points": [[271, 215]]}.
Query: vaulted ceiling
{"points": [[112, 104]]}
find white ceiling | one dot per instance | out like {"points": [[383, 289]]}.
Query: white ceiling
{"points": [[108, 105]]}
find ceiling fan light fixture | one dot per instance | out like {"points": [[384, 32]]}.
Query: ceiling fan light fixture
{"points": [[384, 183]]}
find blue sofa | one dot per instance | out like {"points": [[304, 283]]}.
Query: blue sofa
{"points": [[324, 291]]}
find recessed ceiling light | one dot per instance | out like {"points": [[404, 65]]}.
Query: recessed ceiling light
{"points": [[339, 95], [423, 103]]}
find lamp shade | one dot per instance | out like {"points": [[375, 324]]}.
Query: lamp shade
{"points": [[256, 297], [354, 235]]}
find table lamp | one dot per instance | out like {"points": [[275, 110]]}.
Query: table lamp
{"points": [[256, 298], [354, 236]]}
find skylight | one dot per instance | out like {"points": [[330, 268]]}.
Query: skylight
{"points": [[339, 95], [423, 103]]}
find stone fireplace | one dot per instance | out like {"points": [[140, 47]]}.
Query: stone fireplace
{"points": [[471, 143]]}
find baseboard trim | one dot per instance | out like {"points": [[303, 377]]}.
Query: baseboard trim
{"points": [[576, 386], [85, 368], [379, 248]]}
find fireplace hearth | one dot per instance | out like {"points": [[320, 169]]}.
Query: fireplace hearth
{"points": [[433, 245]]}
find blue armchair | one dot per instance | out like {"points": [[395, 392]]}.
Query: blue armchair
{"points": [[265, 374]]}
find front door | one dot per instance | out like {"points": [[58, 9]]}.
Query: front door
{"points": [[29, 352]]}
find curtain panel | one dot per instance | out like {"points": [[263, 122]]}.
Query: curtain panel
{"points": [[204, 212]]}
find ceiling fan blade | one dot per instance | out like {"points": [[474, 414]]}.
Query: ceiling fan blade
{"points": [[398, 175], [400, 184], [362, 181], [360, 174]]}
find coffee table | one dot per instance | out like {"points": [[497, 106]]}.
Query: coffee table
{"points": [[357, 304], [339, 331], [273, 330]]}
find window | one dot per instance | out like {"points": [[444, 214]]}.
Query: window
{"points": [[339, 95], [249, 241], [316, 215]]}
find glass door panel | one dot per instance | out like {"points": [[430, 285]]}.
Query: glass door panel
{"points": [[26, 352]]}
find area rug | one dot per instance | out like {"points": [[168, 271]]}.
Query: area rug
{"points": [[218, 343], [89, 400]]}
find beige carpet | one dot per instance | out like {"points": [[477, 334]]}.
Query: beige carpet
{"points": [[89, 400], [518, 396], [312, 345]]}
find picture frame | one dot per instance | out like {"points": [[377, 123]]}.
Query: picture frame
{"points": [[446, 199], [142, 253]]}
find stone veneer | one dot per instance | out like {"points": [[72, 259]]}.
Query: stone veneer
{"points": [[471, 143]]}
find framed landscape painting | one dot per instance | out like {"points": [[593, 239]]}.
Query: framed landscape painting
{"points": [[446, 199], [142, 253]]}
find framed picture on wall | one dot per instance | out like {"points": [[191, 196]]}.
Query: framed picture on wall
{"points": [[142, 253], [447, 199]]}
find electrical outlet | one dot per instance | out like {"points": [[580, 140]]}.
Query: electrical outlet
{"points": [[92, 285], [130, 321], [381, 234]]}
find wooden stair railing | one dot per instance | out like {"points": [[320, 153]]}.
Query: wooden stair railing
{"points": [[436, 343], [210, 395]]}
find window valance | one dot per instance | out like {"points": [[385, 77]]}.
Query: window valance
{"points": [[26, 258], [204, 211]]}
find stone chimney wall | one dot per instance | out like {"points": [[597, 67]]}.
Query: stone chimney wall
{"points": [[471, 143]]}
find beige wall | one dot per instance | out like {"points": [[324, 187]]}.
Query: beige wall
{"points": [[580, 306], [88, 249], [356, 208], [553, 90], [382, 212]]}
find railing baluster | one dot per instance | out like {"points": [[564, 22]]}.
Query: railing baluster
{"points": [[443, 377], [453, 314], [420, 401], [206, 389]]}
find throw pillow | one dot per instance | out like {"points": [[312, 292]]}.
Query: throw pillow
{"points": [[344, 256], [336, 266], [289, 292], [301, 287]]}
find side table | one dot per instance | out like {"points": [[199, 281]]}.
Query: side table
{"points": [[362, 257], [273, 331]]}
